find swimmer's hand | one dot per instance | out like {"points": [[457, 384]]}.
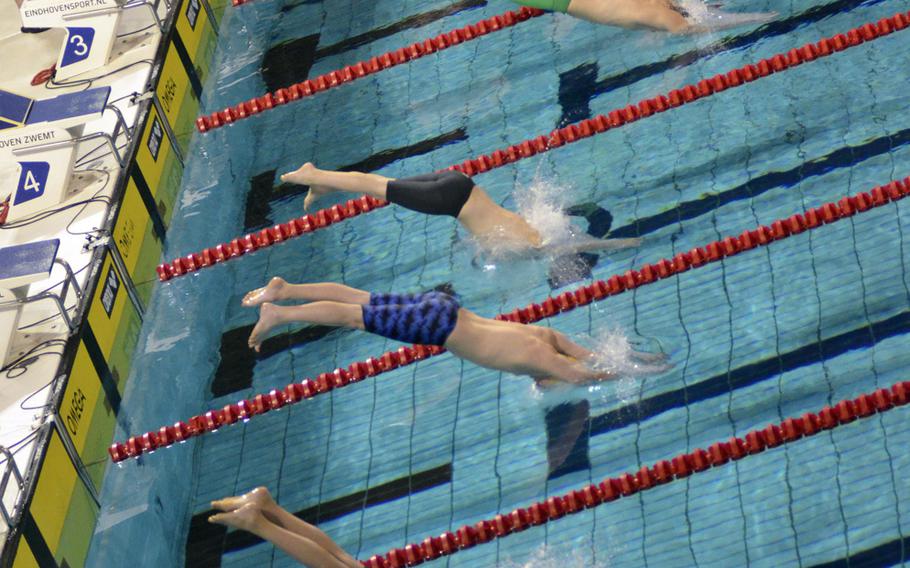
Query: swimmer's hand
{"points": [[595, 245], [592, 377], [650, 357], [713, 20]]}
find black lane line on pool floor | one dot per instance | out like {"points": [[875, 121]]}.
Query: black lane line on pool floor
{"points": [[411, 22], [290, 61], [235, 371], [753, 373], [206, 543], [577, 88], [263, 190], [890, 553], [845, 157], [718, 385]]}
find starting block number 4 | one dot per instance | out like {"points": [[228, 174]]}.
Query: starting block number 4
{"points": [[32, 181], [78, 45]]}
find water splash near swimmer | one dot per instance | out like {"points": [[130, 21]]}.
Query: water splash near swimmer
{"points": [[705, 17], [542, 204], [614, 353]]}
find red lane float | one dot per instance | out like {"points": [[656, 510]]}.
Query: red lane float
{"points": [[584, 295], [666, 471], [560, 137], [362, 69]]}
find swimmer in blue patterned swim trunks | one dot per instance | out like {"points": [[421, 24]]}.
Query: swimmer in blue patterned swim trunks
{"points": [[433, 318], [665, 15]]}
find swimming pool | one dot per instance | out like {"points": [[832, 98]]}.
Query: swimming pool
{"points": [[762, 336]]}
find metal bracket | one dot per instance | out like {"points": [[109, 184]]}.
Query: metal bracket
{"points": [[11, 470]]}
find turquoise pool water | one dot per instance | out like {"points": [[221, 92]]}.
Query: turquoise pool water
{"points": [[762, 336]]}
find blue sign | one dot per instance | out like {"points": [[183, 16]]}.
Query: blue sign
{"points": [[78, 45], [192, 13], [109, 292], [29, 259], [32, 181]]}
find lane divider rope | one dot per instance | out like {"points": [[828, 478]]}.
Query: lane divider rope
{"points": [[661, 473], [361, 69], [649, 273], [559, 137]]}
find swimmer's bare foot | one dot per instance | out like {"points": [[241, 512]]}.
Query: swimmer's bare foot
{"points": [[272, 292], [248, 517], [259, 497], [305, 175], [269, 317]]}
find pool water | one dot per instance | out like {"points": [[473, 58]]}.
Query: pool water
{"points": [[762, 336]]}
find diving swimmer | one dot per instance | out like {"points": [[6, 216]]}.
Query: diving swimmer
{"points": [[432, 318], [664, 15], [258, 513], [447, 193]]}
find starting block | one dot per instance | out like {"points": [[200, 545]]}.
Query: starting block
{"points": [[91, 29], [21, 265], [38, 141]]}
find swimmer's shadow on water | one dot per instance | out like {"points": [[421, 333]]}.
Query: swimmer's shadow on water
{"points": [[571, 268]]}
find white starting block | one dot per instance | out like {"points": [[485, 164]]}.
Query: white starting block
{"points": [[38, 142], [35, 181], [21, 265], [91, 29]]}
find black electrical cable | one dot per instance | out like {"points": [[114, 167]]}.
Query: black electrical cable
{"points": [[52, 85]]}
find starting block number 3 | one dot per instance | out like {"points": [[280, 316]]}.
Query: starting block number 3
{"points": [[32, 181], [78, 45]]}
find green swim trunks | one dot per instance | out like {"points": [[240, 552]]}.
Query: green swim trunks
{"points": [[551, 5]]}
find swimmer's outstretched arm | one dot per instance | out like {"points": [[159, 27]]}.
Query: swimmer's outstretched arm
{"points": [[599, 245], [661, 15], [257, 513], [559, 358], [554, 366]]}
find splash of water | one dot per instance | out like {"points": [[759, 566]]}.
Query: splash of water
{"points": [[614, 353], [542, 205], [710, 18]]}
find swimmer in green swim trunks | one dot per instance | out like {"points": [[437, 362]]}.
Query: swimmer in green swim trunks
{"points": [[663, 15]]}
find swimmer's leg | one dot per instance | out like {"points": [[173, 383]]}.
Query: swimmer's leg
{"points": [[305, 551], [322, 182], [335, 314], [278, 289], [276, 514]]}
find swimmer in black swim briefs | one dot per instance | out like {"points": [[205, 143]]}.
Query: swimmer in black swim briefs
{"points": [[435, 319], [447, 193]]}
